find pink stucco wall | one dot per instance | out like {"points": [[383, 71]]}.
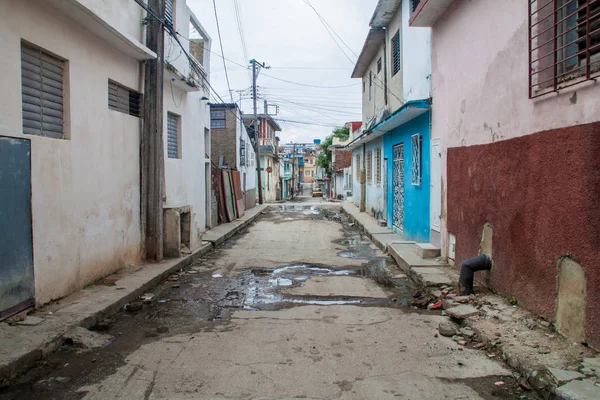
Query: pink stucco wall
{"points": [[480, 82]]}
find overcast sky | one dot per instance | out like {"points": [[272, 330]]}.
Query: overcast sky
{"points": [[289, 36]]}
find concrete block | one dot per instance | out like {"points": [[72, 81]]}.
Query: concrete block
{"points": [[427, 250], [406, 256], [434, 280], [172, 233], [562, 376], [462, 312], [578, 390], [571, 302]]}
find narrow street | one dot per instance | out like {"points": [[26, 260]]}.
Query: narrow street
{"points": [[299, 305]]}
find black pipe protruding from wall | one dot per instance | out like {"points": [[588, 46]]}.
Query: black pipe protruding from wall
{"points": [[468, 268]]}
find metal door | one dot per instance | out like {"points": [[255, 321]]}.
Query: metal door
{"points": [[16, 244], [436, 180], [398, 186]]}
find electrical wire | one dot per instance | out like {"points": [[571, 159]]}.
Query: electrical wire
{"points": [[222, 52]]}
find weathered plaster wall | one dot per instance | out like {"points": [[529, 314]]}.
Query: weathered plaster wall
{"points": [[85, 189], [395, 82], [480, 85], [185, 177], [371, 105], [416, 59], [270, 181], [416, 197], [248, 171], [541, 194]]}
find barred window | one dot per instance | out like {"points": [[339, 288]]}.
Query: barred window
{"points": [[416, 159], [564, 44], [369, 166], [357, 167], [378, 165], [242, 152]]}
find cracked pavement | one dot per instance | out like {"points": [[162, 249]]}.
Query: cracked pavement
{"points": [[288, 309]]}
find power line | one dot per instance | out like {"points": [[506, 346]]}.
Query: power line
{"points": [[240, 27], [306, 123], [222, 52], [326, 24], [312, 86]]}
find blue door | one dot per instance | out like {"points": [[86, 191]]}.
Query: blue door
{"points": [[16, 244]]}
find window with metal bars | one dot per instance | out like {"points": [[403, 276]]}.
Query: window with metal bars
{"points": [[173, 135], [123, 99], [42, 100], [379, 65], [395, 49], [357, 167], [217, 119], [242, 152], [416, 159], [378, 166], [564, 44], [369, 166]]}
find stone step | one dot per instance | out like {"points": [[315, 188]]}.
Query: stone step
{"points": [[405, 255], [427, 250]]}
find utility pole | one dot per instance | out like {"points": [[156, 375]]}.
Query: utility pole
{"points": [[255, 69], [152, 161], [293, 170]]}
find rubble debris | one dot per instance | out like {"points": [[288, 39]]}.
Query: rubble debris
{"points": [[85, 340], [147, 298], [462, 312], [134, 306], [562, 376], [435, 305], [174, 277], [447, 328], [578, 390]]}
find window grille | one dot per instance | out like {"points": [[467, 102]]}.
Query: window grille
{"points": [[564, 44], [379, 65], [416, 159], [123, 99], [242, 152], [217, 119], [42, 79], [369, 166], [357, 167], [396, 53], [378, 165], [173, 135]]}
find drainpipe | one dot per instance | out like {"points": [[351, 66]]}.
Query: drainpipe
{"points": [[363, 187]]}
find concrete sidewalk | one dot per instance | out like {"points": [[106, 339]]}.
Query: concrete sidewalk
{"points": [[43, 330], [545, 360], [430, 272]]}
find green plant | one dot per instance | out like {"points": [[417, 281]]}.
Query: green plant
{"points": [[512, 301]]}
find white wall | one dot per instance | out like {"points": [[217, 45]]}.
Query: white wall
{"points": [[416, 58], [250, 165], [185, 177], [85, 189]]}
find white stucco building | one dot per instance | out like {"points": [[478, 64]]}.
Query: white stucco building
{"points": [[72, 76]]}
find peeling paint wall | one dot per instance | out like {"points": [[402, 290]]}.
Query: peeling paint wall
{"points": [[85, 189]]}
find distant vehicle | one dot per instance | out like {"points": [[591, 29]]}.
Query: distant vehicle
{"points": [[316, 190]]}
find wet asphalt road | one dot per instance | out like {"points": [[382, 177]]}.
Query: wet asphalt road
{"points": [[299, 305]]}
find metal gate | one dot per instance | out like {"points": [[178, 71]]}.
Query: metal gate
{"points": [[16, 244], [398, 186]]}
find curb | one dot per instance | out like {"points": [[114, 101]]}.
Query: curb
{"points": [[537, 376], [18, 366]]}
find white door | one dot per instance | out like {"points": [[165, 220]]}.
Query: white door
{"points": [[435, 185]]}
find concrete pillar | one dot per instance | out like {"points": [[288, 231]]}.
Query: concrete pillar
{"points": [[172, 233]]}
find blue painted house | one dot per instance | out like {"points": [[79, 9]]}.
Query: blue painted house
{"points": [[392, 155]]}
